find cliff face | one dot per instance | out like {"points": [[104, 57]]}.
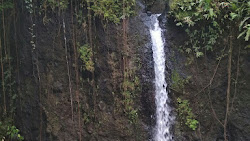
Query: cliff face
{"points": [[48, 81]]}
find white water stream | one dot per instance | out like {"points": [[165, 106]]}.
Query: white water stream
{"points": [[163, 117]]}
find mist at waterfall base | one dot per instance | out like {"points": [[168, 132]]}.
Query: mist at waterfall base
{"points": [[163, 118]]}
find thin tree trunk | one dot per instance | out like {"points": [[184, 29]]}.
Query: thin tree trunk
{"points": [[92, 47], [2, 70], [4, 33], [228, 86], [236, 80], [40, 97], [17, 56], [2, 66], [125, 46], [76, 71]]}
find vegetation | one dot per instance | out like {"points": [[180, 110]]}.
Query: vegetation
{"points": [[131, 87], [86, 55], [178, 82], [8, 131], [206, 20], [185, 114], [53, 4], [214, 26], [113, 10], [6, 5], [207, 23]]}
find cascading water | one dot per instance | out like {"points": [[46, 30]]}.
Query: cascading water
{"points": [[163, 117], [68, 69]]}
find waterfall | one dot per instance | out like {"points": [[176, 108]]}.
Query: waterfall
{"points": [[163, 117], [68, 69]]}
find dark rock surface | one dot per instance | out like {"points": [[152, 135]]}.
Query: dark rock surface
{"points": [[45, 107], [46, 96]]}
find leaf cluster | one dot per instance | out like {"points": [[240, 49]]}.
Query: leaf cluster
{"points": [[86, 55], [8, 4], [186, 114], [9, 131]]}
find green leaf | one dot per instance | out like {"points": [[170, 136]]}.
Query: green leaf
{"points": [[211, 12], [199, 54], [188, 50], [241, 34], [123, 17], [242, 22], [234, 6], [247, 47], [179, 24], [247, 35], [233, 15]]}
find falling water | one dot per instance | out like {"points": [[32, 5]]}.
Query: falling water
{"points": [[163, 118], [68, 70]]}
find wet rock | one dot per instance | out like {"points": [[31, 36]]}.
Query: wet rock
{"points": [[57, 87], [102, 106], [149, 13], [157, 7], [90, 128]]}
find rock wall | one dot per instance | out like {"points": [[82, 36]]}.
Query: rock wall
{"points": [[44, 111], [45, 99]]}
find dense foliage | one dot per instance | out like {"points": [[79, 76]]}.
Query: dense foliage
{"points": [[6, 5], [86, 55], [9, 132], [207, 20], [113, 10]]}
